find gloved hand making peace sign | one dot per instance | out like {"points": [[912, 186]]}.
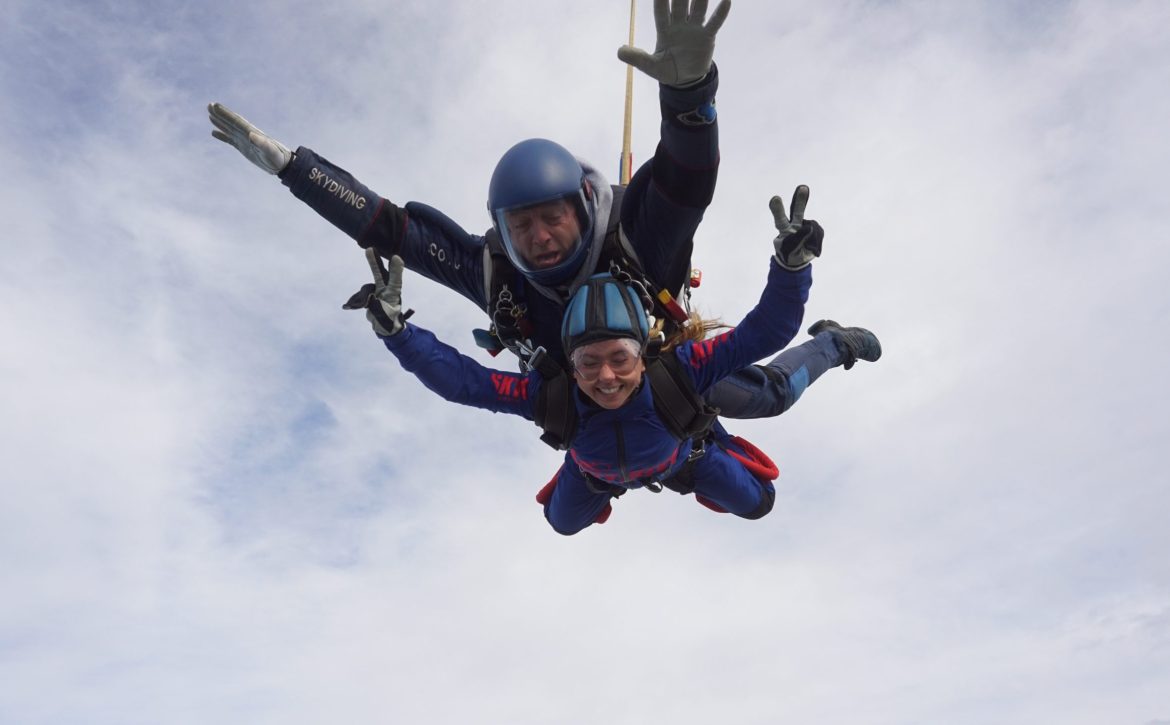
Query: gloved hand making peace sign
{"points": [[685, 46], [256, 146], [382, 299], [799, 239]]}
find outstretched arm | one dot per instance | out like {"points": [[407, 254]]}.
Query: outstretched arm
{"points": [[429, 242], [667, 197], [440, 367], [776, 318]]}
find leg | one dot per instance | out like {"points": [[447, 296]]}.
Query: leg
{"points": [[764, 391], [854, 343], [571, 505], [722, 480]]}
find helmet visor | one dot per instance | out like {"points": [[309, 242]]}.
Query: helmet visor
{"points": [[545, 238]]}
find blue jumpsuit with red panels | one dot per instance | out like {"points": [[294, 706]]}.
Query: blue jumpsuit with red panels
{"points": [[630, 446]]}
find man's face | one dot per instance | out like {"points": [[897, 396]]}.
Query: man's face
{"points": [[545, 234], [608, 371]]}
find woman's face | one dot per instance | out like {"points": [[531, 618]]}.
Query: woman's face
{"points": [[608, 371]]}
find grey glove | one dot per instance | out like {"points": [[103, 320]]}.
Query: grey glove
{"points": [[382, 299], [683, 52], [256, 146], [799, 239]]}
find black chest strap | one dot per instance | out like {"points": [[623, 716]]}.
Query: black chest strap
{"points": [[555, 412], [682, 410], [504, 306]]}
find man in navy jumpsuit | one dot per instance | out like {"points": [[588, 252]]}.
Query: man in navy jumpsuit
{"points": [[659, 213]]}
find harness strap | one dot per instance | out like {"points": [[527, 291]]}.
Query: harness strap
{"points": [[554, 412], [683, 411], [683, 480], [509, 324]]}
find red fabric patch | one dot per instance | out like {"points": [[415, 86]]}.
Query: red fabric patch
{"points": [[710, 504], [756, 461], [545, 494], [703, 349], [510, 386]]}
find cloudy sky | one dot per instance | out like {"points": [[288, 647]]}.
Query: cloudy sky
{"points": [[222, 501]]}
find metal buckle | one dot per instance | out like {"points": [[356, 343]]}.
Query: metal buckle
{"points": [[530, 357]]}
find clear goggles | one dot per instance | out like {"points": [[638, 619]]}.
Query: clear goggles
{"points": [[587, 364]]}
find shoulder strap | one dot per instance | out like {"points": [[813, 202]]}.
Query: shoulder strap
{"points": [[497, 269], [682, 410], [622, 260], [554, 412], [501, 285], [615, 207], [615, 246]]}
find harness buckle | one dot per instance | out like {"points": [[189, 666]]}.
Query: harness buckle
{"points": [[698, 450], [530, 358]]}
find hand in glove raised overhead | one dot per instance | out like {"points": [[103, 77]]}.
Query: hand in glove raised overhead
{"points": [[799, 239], [685, 46], [256, 146], [382, 299]]}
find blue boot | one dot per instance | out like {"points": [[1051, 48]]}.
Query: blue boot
{"points": [[855, 343]]}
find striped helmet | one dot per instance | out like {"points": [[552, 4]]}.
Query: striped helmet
{"points": [[603, 309]]}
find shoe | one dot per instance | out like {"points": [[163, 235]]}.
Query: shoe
{"points": [[855, 343]]}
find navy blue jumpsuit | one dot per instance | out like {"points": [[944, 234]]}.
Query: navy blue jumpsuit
{"points": [[660, 211]]}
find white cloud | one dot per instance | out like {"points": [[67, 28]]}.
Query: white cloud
{"points": [[224, 502]]}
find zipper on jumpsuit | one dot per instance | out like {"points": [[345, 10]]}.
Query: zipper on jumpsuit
{"points": [[621, 451]]}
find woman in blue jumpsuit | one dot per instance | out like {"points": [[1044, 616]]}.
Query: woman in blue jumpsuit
{"points": [[621, 442]]}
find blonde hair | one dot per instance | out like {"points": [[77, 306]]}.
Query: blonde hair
{"points": [[697, 328]]}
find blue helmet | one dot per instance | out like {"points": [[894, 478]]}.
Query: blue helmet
{"points": [[604, 309], [534, 172]]}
